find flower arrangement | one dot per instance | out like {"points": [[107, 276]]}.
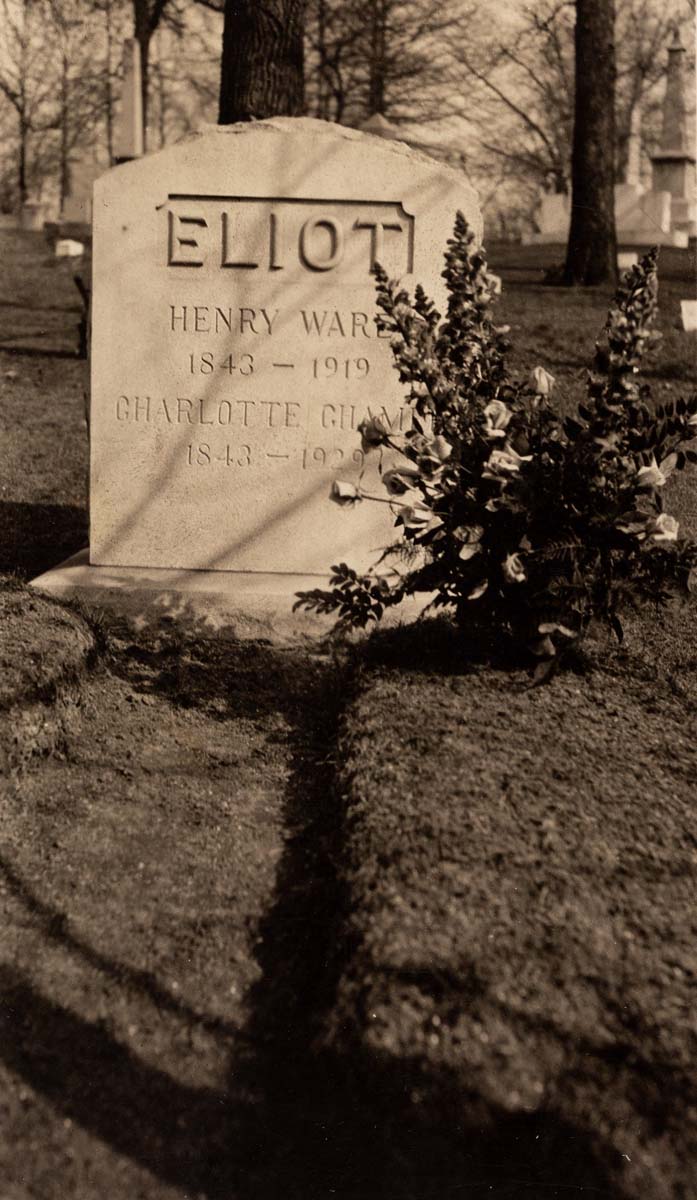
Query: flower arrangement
{"points": [[528, 525]]}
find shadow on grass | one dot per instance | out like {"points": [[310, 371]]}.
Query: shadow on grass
{"points": [[34, 537], [294, 1126], [294, 1120]]}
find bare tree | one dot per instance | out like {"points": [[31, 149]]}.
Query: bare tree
{"points": [[79, 97], [185, 73], [392, 57], [111, 18], [147, 15], [25, 81], [591, 256], [519, 94], [642, 34], [519, 86], [262, 60]]}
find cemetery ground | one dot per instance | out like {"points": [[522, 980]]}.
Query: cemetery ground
{"points": [[288, 921]]}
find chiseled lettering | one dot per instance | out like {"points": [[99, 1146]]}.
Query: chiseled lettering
{"points": [[123, 405], [312, 323], [267, 229], [226, 261], [183, 405], [335, 323], [201, 410], [269, 320], [175, 316], [292, 418], [342, 416], [222, 319], [179, 247], [274, 264], [271, 405], [246, 405], [391, 423], [142, 408], [247, 317], [309, 257], [163, 409], [201, 321], [377, 236], [336, 326]]}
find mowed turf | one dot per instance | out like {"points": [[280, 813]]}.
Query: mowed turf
{"points": [[43, 398]]}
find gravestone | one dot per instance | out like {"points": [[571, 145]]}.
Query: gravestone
{"points": [[128, 126], [235, 349], [688, 315]]}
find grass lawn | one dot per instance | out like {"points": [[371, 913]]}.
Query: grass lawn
{"points": [[43, 393], [521, 872], [556, 327]]}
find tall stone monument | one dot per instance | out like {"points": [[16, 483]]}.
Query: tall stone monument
{"points": [[235, 352], [665, 215], [128, 127], [673, 164]]}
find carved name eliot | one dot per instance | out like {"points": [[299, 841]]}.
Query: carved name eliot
{"points": [[250, 233]]}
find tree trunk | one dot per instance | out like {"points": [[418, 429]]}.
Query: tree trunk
{"points": [[65, 180], [108, 85], [22, 161], [142, 32], [322, 88], [378, 46], [591, 256], [262, 62]]}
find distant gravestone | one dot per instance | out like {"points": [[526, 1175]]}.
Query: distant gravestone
{"points": [[688, 315], [128, 127], [234, 343], [69, 248]]}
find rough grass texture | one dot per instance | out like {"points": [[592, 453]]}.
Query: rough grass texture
{"points": [[521, 882]]}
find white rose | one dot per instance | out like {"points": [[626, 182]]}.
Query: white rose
{"points": [[344, 493], [662, 529], [541, 381], [398, 480], [503, 462], [496, 418], [470, 535], [416, 516], [513, 570], [654, 476]]}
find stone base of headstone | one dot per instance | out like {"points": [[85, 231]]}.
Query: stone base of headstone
{"points": [[239, 604]]}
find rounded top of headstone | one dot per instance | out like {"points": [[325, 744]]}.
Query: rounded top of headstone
{"points": [[312, 128], [379, 125]]}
